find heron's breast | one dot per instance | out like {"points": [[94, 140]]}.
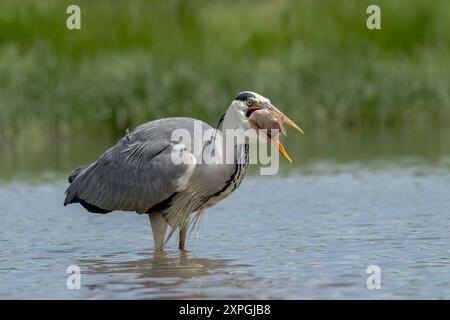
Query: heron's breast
{"points": [[230, 185]]}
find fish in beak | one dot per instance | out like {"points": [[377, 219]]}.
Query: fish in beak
{"points": [[267, 116]]}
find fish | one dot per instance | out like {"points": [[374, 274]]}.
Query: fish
{"points": [[270, 120], [265, 118]]}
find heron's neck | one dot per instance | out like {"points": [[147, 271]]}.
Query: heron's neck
{"points": [[233, 133], [233, 120]]}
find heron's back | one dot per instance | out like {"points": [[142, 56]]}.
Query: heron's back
{"points": [[137, 172]]}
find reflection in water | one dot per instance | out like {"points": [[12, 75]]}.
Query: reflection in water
{"points": [[159, 275]]}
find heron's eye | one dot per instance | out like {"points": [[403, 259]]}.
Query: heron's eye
{"points": [[249, 102]]}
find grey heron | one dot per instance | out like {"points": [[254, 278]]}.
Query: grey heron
{"points": [[138, 174]]}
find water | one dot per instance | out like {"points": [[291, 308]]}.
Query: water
{"points": [[310, 232]]}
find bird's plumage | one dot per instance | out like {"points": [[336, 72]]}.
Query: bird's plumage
{"points": [[139, 174], [133, 175]]}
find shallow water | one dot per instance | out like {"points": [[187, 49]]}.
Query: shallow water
{"points": [[310, 232]]}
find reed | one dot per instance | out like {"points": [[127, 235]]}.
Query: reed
{"points": [[135, 61]]}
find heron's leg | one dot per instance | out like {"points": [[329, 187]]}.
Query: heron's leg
{"points": [[183, 234], [159, 228]]}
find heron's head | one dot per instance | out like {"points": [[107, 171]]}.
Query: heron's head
{"points": [[252, 110]]}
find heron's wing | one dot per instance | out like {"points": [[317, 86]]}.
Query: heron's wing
{"points": [[134, 175]]}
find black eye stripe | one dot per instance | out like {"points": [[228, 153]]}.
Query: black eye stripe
{"points": [[245, 96]]}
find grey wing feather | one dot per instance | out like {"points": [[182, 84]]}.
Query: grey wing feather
{"points": [[133, 175]]}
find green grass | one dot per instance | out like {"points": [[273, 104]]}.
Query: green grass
{"points": [[136, 61]]}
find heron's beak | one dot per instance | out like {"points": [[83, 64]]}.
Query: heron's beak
{"points": [[285, 119], [282, 150], [269, 117]]}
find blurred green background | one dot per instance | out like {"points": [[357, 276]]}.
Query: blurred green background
{"points": [[134, 61]]}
